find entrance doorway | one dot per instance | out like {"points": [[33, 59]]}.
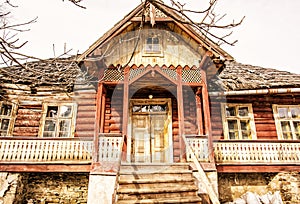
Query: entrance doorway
{"points": [[150, 131]]}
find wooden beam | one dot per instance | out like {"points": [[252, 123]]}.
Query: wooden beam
{"points": [[45, 167], [147, 19], [125, 101], [180, 115], [257, 168], [102, 117], [199, 113], [97, 122], [206, 116]]}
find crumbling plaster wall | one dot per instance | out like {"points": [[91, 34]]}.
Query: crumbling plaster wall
{"points": [[11, 187], [233, 185]]}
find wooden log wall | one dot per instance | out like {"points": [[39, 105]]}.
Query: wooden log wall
{"points": [[113, 111], [86, 114], [262, 111], [29, 107], [190, 112]]}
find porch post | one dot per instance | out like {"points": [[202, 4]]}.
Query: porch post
{"points": [[97, 123], [199, 111], [103, 104], [180, 115], [125, 101], [206, 114]]}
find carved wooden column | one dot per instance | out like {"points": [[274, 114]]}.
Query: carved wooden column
{"points": [[199, 111], [180, 115], [125, 100], [207, 120], [97, 122]]}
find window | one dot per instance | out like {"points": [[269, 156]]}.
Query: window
{"points": [[238, 121], [152, 45], [287, 119], [7, 118], [58, 120]]}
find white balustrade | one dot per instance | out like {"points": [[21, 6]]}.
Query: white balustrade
{"points": [[45, 150], [199, 145], [110, 147], [257, 152]]}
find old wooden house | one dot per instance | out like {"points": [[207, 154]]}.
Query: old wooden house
{"points": [[152, 112]]}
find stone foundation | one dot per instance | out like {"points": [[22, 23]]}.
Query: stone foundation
{"points": [[67, 188], [233, 185]]}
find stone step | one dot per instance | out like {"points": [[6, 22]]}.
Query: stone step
{"points": [[148, 184], [175, 174], [153, 168], [173, 200], [158, 181], [168, 195]]}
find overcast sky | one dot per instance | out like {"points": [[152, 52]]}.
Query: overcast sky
{"points": [[268, 37]]}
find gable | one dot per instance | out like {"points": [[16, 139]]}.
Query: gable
{"points": [[125, 44]]}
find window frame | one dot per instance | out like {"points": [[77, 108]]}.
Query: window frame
{"points": [[290, 120], [151, 53], [72, 118], [250, 116], [12, 117]]}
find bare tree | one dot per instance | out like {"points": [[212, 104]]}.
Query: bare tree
{"points": [[208, 23]]}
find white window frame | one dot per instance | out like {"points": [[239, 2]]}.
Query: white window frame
{"points": [[278, 121], [153, 52], [57, 119], [11, 117], [250, 117]]}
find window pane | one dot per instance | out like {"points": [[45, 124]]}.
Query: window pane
{"points": [[64, 134], [136, 108], [243, 111], [4, 124], [149, 40], [283, 112], [233, 129], [230, 111], [297, 129], [246, 130], [6, 109], [49, 134], [65, 111], [52, 111], [155, 41], [286, 130], [49, 125], [65, 125], [295, 112]]}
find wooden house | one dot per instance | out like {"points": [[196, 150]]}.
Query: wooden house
{"points": [[153, 111]]}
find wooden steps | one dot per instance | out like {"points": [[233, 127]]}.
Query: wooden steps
{"points": [[156, 183]]}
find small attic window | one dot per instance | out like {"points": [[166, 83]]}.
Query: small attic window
{"points": [[153, 45]]}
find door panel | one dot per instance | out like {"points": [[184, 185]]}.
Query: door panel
{"points": [[158, 132], [141, 140]]}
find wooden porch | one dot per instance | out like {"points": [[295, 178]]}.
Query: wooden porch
{"points": [[25, 154], [257, 155]]}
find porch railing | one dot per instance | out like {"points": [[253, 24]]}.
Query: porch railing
{"points": [[199, 146], [42, 150], [110, 147], [274, 152]]}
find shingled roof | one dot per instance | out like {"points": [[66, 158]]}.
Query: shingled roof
{"points": [[237, 76]]}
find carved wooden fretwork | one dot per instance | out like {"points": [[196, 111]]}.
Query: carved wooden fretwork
{"points": [[158, 13]]}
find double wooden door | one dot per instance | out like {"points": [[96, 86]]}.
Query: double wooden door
{"points": [[150, 133]]}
